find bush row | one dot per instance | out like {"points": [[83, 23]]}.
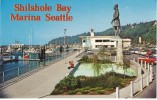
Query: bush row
{"points": [[72, 85]]}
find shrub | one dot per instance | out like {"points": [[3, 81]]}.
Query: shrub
{"points": [[97, 88], [68, 83], [86, 88], [79, 90], [106, 61], [72, 92], [85, 59], [93, 89], [56, 92], [93, 82], [100, 92], [109, 89], [113, 82], [85, 91], [85, 85]]}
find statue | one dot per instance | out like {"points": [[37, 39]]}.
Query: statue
{"points": [[116, 21]]}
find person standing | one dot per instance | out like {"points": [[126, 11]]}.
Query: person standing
{"points": [[61, 50]]}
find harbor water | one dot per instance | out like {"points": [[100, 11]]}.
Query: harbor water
{"points": [[13, 69]]}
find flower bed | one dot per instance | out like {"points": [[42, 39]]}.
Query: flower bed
{"points": [[98, 85]]}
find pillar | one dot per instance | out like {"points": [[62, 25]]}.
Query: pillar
{"points": [[117, 92], [119, 51], [134, 59], [138, 59], [145, 65], [148, 79], [148, 66], [132, 90], [141, 83], [141, 63], [151, 73]]}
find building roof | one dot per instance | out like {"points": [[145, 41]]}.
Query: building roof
{"points": [[107, 37], [98, 36]]}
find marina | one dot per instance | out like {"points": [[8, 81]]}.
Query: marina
{"points": [[17, 63]]}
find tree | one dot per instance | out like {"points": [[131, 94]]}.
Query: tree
{"points": [[103, 53], [96, 65]]}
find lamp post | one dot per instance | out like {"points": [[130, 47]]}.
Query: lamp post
{"points": [[64, 44]]}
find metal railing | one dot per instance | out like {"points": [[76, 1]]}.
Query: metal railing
{"points": [[17, 71]]}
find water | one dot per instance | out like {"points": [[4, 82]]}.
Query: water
{"points": [[11, 70], [88, 70], [14, 69]]}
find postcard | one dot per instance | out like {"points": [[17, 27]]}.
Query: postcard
{"points": [[78, 49]]}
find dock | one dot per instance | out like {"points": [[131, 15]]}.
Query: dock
{"points": [[6, 60]]}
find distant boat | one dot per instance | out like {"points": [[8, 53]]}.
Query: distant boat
{"points": [[30, 51], [49, 51], [1, 61]]}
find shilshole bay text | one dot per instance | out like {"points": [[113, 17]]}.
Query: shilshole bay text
{"points": [[44, 8], [48, 17]]}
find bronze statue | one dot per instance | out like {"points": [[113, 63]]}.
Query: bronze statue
{"points": [[116, 21]]}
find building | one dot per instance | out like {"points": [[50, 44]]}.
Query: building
{"points": [[95, 42]]}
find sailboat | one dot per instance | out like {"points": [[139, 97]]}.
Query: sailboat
{"points": [[31, 53]]}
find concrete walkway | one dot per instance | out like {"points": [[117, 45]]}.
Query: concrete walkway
{"points": [[41, 83]]}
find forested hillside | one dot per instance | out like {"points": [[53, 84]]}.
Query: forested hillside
{"points": [[146, 30]]}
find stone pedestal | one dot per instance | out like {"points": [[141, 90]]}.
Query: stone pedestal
{"points": [[119, 51]]}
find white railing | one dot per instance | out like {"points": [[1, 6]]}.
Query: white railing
{"points": [[141, 81]]}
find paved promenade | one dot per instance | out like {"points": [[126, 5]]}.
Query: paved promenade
{"points": [[41, 83]]}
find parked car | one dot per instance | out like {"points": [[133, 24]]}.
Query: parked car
{"points": [[154, 52], [127, 52], [139, 52], [150, 59], [149, 53], [133, 50], [143, 52]]}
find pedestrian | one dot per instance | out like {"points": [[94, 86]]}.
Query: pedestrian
{"points": [[71, 64], [61, 50]]}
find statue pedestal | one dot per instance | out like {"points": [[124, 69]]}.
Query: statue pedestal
{"points": [[119, 50]]}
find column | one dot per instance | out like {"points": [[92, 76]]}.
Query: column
{"points": [[119, 51], [134, 59], [148, 66], [141, 83], [145, 65], [148, 79], [117, 92], [138, 59], [141, 63], [151, 73], [132, 89]]}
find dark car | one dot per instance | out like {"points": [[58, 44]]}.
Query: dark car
{"points": [[127, 52]]}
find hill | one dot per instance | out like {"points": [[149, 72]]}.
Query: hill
{"points": [[146, 30]]}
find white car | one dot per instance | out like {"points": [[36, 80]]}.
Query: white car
{"points": [[137, 51], [143, 53]]}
